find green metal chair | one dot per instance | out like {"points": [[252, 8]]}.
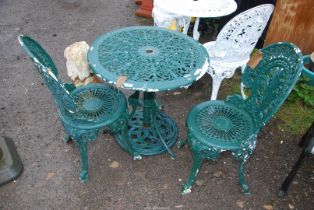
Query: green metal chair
{"points": [[85, 110], [233, 124]]}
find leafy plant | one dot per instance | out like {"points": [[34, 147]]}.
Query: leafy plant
{"points": [[297, 114], [303, 91], [295, 117]]}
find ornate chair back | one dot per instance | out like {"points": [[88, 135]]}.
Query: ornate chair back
{"points": [[240, 35], [272, 80], [49, 73]]}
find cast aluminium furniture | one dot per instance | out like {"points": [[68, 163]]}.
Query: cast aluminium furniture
{"points": [[307, 144], [233, 124], [150, 59], [235, 42], [85, 110], [198, 9]]}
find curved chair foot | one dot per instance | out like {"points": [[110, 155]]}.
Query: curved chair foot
{"points": [[282, 194], [186, 189], [244, 186], [137, 156], [129, 146], [197, 163], [84, 176], [245, 189]]}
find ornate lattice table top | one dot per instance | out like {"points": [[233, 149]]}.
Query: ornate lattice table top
{"points": [[198, 8], [152, 59]]}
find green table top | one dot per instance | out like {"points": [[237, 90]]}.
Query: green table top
{"points": [[152, 59]]}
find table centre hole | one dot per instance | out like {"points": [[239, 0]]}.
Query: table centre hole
{"points": [[149, 51]]}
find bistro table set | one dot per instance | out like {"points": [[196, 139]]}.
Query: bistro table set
{"points": [[149, 60]]}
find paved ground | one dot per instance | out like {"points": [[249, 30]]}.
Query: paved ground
{"points": [[50, 178]]}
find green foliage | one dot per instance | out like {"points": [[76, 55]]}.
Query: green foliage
{"points": [[295, 116], [303, 91]]}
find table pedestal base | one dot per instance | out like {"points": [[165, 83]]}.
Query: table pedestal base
{"points": [[147, 140]]}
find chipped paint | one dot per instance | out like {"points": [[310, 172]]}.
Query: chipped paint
{"points": [[20, 40], [188, 76], [200, 72], [98, 75], [127, 85], [152, 90], [184, 86]]}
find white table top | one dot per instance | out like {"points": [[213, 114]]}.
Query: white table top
{"points": [[198, 8]]}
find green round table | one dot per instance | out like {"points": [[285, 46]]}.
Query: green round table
{"points": [[148, 59]]}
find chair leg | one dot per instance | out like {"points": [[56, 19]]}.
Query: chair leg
{"points": [[128, 145], [303, 140], [216, 85], [244, 186], [307, 142], [307, 136], [196, 33], [285, 185], [186, 25], [82, 145], [197, 163]]}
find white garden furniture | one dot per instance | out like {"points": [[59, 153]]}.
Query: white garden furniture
{"points": [[235, 42], [196, 8], [168, 20]]}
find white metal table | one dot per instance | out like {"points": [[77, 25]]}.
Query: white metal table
{"points": [[198, 9]]}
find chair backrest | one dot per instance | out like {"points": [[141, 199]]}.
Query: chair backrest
{"points": [[48, 73], [272, 80], [240, 35]]}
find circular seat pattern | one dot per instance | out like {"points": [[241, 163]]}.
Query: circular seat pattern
{"points": [[96, 104], [219, 124]]}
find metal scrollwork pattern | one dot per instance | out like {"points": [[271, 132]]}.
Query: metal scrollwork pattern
{"points": [[272, 80], [152, 59], [91, 106], [48, 73], [233, 124], [235, 42], [239, 36], [204, 150], [83, 111], [221, 122]]}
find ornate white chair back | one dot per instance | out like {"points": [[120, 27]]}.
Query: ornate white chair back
{"points": [[240, 35]]}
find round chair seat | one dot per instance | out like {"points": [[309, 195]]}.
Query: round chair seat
{"points": [[222, 59], [221, 125], [96, 105]]}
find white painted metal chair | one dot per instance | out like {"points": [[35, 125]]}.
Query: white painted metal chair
{"points": [[235, 42], [168, 20]]}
